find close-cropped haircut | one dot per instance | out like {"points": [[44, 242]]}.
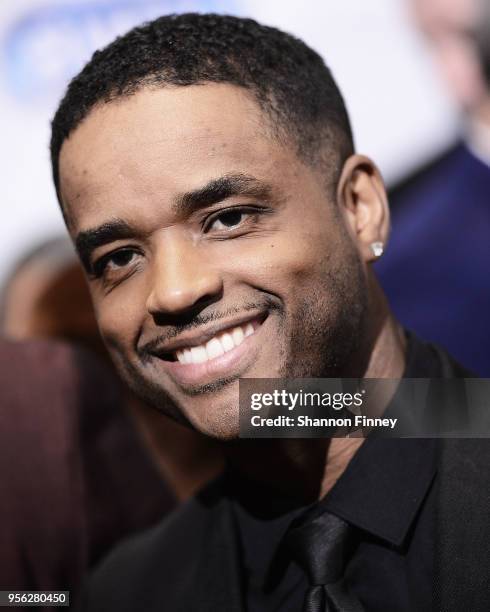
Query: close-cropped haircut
{"points": [[290, 82]]}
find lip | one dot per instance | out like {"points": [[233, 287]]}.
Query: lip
{"points": [[226, 365]]}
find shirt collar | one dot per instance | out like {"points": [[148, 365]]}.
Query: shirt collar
{"points": [[384, 486], [380, 491], [387, 480]]}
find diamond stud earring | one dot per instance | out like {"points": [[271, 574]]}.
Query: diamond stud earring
{"points": [[377, 248]]}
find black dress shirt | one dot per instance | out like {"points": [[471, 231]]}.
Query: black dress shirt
{"points": [[386, 494]]}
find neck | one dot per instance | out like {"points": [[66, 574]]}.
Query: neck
{"points": [[306, 469]]}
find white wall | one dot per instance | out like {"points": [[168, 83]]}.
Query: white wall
{"points": [[399, 112]]}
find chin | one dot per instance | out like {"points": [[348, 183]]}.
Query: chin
{"points": [[212, 407], [214, 416], [220, 427], [223, 431]]}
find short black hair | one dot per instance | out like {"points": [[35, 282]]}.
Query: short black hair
{"points": [[290, 81]]}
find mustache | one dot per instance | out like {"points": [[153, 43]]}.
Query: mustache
{"points": [[146, 350]]}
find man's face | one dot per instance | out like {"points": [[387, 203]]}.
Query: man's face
{"points": [[213, 252]]}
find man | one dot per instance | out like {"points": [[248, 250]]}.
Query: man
{"points": [[441, 214], [206, 170]]}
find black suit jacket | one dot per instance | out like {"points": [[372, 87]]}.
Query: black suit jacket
{"points": [[190, 563]]}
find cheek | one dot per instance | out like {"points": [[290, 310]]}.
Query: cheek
{"points": [[282, 261], [118, 316]]}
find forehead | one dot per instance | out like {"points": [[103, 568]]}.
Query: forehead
{"points": [[159, 143]]}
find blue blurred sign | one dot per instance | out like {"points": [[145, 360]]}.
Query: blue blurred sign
{"points": [[48, 45]]}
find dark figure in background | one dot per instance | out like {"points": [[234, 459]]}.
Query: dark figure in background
{"points": [[436, 270], [206, 170], [46, 296], [74, 478]]}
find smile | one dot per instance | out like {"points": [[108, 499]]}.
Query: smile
{"points": [[218, 345], [226, 352]]}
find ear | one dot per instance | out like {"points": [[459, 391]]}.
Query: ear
{"points": [[361, 197]]}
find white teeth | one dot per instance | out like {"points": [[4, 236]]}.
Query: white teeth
{"points": [[214, 348], [199, 354], [227, 342], [217, 346], [238, 336], [249, 330]]}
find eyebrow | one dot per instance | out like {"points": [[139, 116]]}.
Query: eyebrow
{"points": [[214, 191], [220, 189], [87, 241]]}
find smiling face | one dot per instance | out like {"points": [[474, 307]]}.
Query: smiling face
{"points": [[212, 251]]}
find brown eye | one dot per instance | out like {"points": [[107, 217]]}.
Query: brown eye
{"points": [[113, 261], [120, 259], [228, 220]]}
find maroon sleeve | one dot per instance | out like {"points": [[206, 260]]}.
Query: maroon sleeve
{"points": [[74, 477]]}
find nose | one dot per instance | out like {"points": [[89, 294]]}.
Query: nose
{"points": [[182, 279]]}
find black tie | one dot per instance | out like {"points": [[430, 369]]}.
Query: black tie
{"points": [[321, 548]]}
